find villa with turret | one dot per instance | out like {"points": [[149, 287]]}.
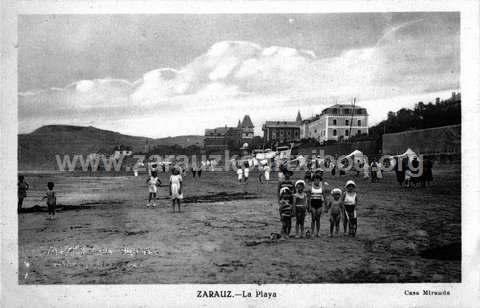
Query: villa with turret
{"points": [[225, 137]]}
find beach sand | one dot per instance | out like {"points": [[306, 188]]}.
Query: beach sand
{"points": [[104, 233]]}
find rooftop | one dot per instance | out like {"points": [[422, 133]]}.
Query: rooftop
{"points": [[218, 130], [292, 124], [247, 122]]}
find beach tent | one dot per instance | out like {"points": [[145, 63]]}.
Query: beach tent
{"points": [[302, 161], [408, 153], [357, 156], [355, 153]]}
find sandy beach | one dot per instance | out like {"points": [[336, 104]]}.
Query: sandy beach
{"points": [[105, 234]]}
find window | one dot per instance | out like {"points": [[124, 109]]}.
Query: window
{"points": [[347, 122], [315, 131], [359, 111], [334, 122], [346, 132], [334, 110], [334, 132], [359, 132], [346, 111], [359, 122]]}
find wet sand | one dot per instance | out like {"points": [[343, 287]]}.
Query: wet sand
{"points": [[104, 233]]}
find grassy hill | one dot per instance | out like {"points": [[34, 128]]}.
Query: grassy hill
{"points": [[37, 150]]}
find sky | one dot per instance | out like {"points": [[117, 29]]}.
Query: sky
{"points": [[168, 75]]}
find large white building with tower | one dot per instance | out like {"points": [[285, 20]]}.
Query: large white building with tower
{"points": [[338, 122]]}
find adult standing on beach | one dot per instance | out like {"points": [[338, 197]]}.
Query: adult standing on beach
{"points": [[399, 170], [427, 175], [22, 191]]}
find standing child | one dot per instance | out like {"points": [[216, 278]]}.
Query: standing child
{"points": [[350, 202], [260, 173], [51, 200], [246, 170], [153, 182], [335, 210], [299, 207], [176, 185], [22, 192], [239, 173], [317, 199], [285, 209]]}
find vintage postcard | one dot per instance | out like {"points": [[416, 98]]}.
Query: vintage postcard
{"points": [[273, 154]]}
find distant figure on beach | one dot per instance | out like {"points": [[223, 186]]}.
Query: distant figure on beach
{"points": [[239, 172], [51, 200], [22, 191], [427, 175], [266, 170], [373, 171], [260, 173], [246, 170], [176, 191], [416, 173], [399, 170], [153, 182]]}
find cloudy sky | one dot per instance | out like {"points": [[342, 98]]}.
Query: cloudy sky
{"points": [[167, 75]]}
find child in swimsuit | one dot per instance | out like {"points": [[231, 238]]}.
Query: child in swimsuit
{"points": [[299, 207], [335, 210], [350, 203], [176, 188], [153, 182], [317, 199], [285, 209], [51, 200]]}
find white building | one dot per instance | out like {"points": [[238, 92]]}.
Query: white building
{"points": [[336, 123]]}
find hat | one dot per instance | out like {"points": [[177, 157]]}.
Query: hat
{"points": [[336, 191], [300, 182], [285, 190], [350, 182]]}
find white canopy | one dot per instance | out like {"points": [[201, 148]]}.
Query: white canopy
{"points": [[355, 153], [408, 153]]}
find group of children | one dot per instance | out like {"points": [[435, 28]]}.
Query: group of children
{"points": [[50, 195], [175, 188], [295, 200]]}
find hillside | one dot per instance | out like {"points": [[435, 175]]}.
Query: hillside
{"points": [[37, 150]]}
